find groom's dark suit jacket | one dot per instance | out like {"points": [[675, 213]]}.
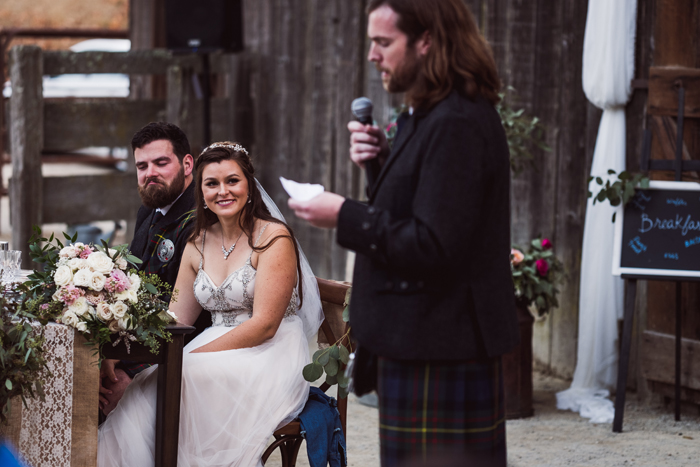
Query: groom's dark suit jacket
{"points": [[432, 276], [176, 227]]}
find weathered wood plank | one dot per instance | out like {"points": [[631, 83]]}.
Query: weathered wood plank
{"points": [[71, 124], [87, 198], [658, 359], [27, 137], [663, 91], [144, 62]]}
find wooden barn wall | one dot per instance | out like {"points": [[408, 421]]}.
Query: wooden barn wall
{"points": [[307, 65], [538, 46]]}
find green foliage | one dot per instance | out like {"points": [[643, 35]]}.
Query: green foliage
{"points": [[523, 132], [22, 362], [536, 275], [332, 359], [621, 191]]}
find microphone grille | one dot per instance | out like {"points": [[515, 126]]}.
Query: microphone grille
{"points": [[361, 108]]}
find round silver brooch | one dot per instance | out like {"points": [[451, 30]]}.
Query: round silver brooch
{"points": [[166, 250]]}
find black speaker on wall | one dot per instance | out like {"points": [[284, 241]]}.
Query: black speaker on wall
{"points": [[204, 25]]}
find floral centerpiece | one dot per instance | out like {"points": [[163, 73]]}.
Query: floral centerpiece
{"points": [[536, 274], [98, 291]]}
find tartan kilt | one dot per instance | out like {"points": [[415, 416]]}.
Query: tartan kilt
{"points": [[441, 413]]}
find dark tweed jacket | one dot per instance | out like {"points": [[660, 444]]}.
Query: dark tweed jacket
{"points": [[432, 276]]}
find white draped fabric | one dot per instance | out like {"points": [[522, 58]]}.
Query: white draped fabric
{"points": [[608, 68]]}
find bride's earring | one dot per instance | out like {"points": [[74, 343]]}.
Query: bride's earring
{"points": [[205, 206], [249, 200]]}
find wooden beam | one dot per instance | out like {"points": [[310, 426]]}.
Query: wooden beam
{"points": [[663, 91], [144, 62], [658, 359], [87, 198], [102, 122], [27, 137]]}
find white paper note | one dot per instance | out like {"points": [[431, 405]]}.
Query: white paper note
{"points": [[301, 191]]}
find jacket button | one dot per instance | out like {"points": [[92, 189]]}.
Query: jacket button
{"points": [[366, 225], [403, 285], [389, 285], [371, 210], [373, 247]]}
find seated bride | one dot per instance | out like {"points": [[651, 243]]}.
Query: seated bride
{"points": [[242, 377]]}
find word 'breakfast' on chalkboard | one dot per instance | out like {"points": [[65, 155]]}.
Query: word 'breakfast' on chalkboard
{"points": [[659, 232]]}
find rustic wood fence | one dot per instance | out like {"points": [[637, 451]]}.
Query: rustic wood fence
{"points": [[39, 125]]}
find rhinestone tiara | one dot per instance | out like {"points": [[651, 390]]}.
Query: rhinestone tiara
{"points": [[235, 147]]}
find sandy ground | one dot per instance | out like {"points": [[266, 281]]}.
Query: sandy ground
{"points": [[552, 437]]}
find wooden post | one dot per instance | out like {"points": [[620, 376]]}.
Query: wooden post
{"points": [[623, 364], [27, 139]]}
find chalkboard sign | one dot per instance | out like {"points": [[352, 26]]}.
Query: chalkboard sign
{"points": [[659, 232]]}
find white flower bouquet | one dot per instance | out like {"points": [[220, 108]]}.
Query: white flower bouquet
{"points": [[98, 291]]}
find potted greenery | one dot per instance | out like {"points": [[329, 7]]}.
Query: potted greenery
{"points": [[536, 274]]}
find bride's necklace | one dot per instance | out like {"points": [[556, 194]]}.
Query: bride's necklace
{"points": [[230, 250]]}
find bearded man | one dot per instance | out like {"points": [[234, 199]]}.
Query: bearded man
{"points": [[432, 289], [163, 225]]}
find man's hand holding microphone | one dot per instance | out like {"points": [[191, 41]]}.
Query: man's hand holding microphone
{"points": [[368, 149]]}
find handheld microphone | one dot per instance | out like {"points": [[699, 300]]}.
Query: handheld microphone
{"points": [[362, 111]]}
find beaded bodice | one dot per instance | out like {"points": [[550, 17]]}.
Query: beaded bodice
{"points": [[231, 302]]}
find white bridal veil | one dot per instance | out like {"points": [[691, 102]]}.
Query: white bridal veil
{"points": [[311, 313]]}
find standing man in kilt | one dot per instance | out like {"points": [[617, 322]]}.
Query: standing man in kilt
{"points": [[163, 224], [432, 290]]}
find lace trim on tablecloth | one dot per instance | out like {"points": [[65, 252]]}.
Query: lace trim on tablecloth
{"points": [[45, 436]]}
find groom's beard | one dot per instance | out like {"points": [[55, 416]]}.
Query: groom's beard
{"points": [[162, 194]]}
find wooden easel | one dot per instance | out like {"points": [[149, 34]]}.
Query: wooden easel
{"points": [[678, 165]]}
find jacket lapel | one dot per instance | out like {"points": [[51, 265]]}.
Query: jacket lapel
{"points": [[405, 135]]}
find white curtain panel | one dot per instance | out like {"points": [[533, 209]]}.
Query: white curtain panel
{"points": [[608, 69]]}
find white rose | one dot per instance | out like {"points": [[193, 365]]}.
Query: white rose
{"points": [[69, 318], [121, 263], [114, 326], [78, 244], [104, 312], [124, 323], [97, 281], [81, 326], [80, 307], [68, 252], [91, 311], [100, 262], [118, 309], [77, 263], [135, 282], [63, 276], [82, 278], [56, 297], [128, 295]]}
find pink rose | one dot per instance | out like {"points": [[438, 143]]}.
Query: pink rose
{"points": [[542, 267], [516, 257], [546, 244]]}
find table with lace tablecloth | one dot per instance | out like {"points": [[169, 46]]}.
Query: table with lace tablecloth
{"points": [[62, 430]]}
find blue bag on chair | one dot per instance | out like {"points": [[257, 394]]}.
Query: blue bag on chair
{"points": [[320, 426]]}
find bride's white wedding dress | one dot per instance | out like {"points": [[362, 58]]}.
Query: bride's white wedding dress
{"points": [[232, 401]]}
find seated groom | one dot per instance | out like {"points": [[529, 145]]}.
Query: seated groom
{"points": [[163, 225]]}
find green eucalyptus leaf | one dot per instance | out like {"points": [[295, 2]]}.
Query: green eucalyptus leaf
{"points": [[332, 379], [331, 367], [8, 384], [335, 352], [342, 392], [344, 354], [312, 372]]}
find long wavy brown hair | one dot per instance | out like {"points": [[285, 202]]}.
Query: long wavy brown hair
{"points": [[251, 212], [458, 58]]}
